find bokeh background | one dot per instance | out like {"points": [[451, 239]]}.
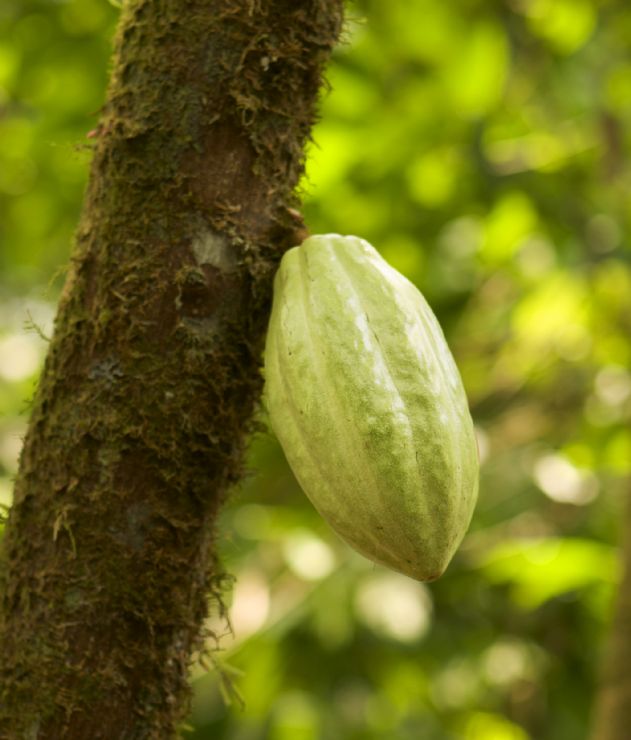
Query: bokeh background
{"points": [[483, 147]]}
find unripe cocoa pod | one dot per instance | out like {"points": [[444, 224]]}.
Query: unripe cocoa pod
{"points": [[368, 405]]}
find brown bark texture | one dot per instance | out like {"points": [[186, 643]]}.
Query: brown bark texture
{"points": [[612, 715], [141, 417]]}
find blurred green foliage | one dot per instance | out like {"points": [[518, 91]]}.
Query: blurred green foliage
{"points": [[483, 148]]}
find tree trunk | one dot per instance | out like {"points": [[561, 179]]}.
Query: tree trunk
{"points": [[612, 717], [140, 420]]}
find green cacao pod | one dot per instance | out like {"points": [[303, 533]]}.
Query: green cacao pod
{"points": [[368, 405]]}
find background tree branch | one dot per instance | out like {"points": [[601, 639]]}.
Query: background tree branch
{"points": [[612, 711]]}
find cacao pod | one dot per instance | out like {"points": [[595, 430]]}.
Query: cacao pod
{"points": [[368, 405]]}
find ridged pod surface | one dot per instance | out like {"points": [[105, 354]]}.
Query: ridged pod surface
{"points": [[368, 405]]}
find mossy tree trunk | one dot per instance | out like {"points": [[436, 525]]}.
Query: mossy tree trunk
{"points": [[612, 717], [140, 420]]}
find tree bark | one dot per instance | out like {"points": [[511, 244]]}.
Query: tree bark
{"points": [[612, 716], [140, 420]]}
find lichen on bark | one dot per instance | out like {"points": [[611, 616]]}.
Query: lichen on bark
{"points": [[142, 413]]}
